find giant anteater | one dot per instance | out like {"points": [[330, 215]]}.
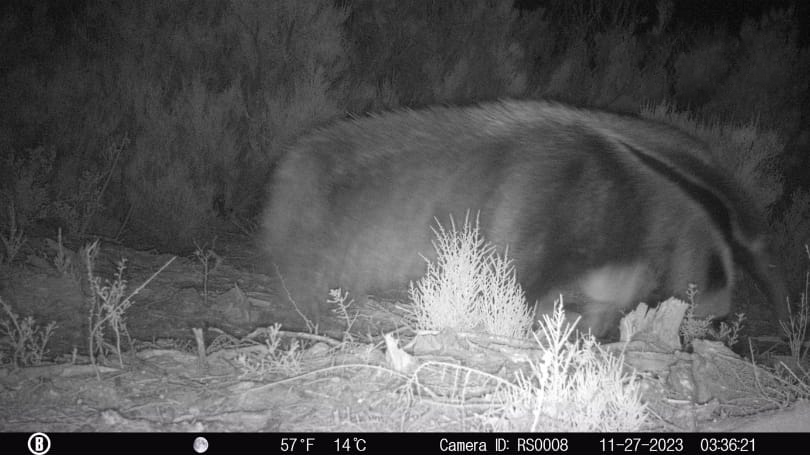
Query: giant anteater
{"points": [[616, 208]]}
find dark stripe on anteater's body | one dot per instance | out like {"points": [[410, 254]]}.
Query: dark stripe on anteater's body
{"points": [[741, 227], [615, 208]]}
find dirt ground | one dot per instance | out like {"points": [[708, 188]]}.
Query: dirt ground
{"points": [[254, 378]]}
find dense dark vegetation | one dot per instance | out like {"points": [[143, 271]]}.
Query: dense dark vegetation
{"points": [[158, 122]]}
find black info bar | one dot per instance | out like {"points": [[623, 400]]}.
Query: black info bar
{"points": [[403, 443]]}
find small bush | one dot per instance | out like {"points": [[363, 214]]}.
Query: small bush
{"points": [[272, 358], [26, 341], [469, 286], [798, 319], [692, 328], [109, 302], [12, 237], [573, 386]]}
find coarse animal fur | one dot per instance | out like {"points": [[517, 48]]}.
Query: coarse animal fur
{"points": [[614, 209]]}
